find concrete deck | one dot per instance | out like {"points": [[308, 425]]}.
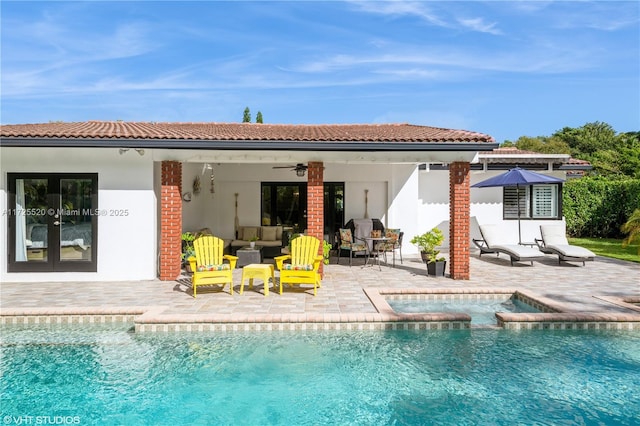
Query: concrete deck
{"points": [[599, 291]]}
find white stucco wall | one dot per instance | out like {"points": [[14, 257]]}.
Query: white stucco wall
{"points": [[486, 206], [399, 195], [217, 211], [126, 244]]}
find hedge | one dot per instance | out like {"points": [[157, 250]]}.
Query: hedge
{"points": [[597, 207]]}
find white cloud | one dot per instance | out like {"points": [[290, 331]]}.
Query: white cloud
{"points": [[478, 24], [401, 8]]}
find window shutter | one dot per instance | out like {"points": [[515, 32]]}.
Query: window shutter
{"points": [[511, 195], [544, 201]]}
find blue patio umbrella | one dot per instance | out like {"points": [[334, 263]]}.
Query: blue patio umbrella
{"points": [[517, 177]]}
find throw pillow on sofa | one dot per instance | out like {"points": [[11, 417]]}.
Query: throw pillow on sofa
{"points": [[249, 233], [269, 233]]}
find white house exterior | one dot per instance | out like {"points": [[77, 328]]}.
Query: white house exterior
{"points": [[405, 180]]}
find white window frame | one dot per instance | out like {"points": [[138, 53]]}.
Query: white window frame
{"points": [[535, 202]]}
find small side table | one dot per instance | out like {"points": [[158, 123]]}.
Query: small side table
{"points": [[528, 243], [256, 270]]}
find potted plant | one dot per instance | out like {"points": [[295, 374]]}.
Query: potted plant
{"points": [[427, 244], [252, 241], [326, 251], [187, 249]]}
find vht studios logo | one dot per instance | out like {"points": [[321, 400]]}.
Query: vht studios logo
{"points": [[41, 420]]}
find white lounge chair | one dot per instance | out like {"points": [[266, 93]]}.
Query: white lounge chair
{"points": [[494, 243], [554, 241]]}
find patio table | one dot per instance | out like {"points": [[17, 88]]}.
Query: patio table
{"points": [[248, 255], [375, 243], [256, 270]]}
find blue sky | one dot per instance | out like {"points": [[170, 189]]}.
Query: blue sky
{"points": [[504, 68]]}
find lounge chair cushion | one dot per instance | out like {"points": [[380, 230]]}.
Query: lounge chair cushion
{"points": [[518, 252], [553, 235], [555, 241], [567, 250], [492, 237]]}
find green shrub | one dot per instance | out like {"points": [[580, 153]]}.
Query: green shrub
{"points": [[597, 207]]}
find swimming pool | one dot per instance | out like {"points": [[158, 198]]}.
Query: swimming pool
{"points": [[109, 375], [482, 312]]}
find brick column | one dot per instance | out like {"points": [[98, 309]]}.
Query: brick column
{"points": [[170, 220], [315, 202], [459, 220]]}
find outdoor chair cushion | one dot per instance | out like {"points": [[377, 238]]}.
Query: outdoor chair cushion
{"points": [[346, 241], [554, 241], [494, 241], [223, 267], [290, 267]]}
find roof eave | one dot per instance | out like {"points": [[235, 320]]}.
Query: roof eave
{"points": [[245, 144]]}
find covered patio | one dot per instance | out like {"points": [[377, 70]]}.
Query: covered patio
{"points": [[326, 152], [138, 170]]}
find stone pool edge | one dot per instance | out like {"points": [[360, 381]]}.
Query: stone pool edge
{"points": [[554, 316], [152, 319]]}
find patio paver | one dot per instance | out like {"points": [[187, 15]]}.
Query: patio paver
{"points": [[581, 289]]}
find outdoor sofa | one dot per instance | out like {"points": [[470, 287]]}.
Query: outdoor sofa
{"points": [[270, 238]]}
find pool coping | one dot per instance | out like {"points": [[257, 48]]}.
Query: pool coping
{"points": [[628, 302], [152, 319], [554, 315]]}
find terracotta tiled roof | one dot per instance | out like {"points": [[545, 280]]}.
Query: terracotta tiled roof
{"points": [[576, 161], [507, 154], [242, 132], [508, 150]]}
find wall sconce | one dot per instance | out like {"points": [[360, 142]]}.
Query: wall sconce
{"points": [[140, 151]]}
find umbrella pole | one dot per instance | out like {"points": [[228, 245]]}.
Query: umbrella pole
{"points": [[518, 201]]}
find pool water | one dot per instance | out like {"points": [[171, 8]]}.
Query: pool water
{"points": [[467, 377], [482, 312]]}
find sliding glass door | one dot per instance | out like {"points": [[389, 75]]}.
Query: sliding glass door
{"points": [[285, 203], [52, 222]]}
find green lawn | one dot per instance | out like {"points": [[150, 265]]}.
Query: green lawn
{"points": [[608, 247]]}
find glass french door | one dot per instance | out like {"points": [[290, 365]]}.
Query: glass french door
{"points": [[285, 203], [333, 209], [52, 222]]}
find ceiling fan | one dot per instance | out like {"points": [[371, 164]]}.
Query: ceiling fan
{"points": [[299, 168]]}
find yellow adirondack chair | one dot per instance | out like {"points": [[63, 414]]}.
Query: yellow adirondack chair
{"points": [[208, 265], [304, 263]]}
